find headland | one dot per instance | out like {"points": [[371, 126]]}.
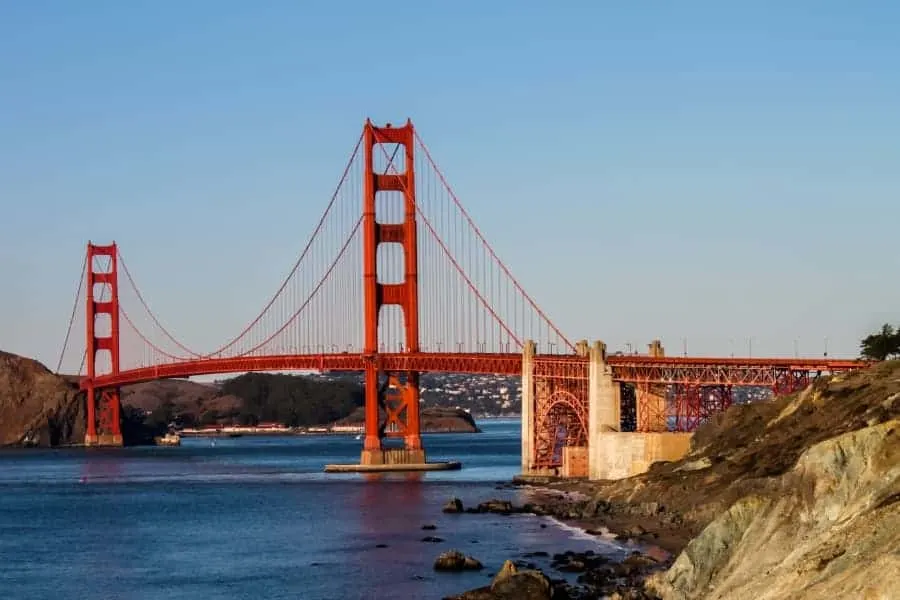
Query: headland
{"points": [[798, 497]]}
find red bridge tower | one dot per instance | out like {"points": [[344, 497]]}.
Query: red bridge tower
{"points": [[398, 397], [103, 344]]}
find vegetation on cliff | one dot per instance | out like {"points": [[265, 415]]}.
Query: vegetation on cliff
{"points": [[881, 345], [292, 399]]}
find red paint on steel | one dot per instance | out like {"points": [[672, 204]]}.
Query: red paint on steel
{"points": [[401, 398], [108, 341]]}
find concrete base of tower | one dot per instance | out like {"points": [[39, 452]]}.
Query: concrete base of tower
{"points": [[392, 456], [91, 440], [109, 439], [393, 459]]}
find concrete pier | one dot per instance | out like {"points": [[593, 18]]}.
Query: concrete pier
{"points": [[105, 440], [109, 439], [604, 402], [394, 460], [528, 407], [619, 455]]}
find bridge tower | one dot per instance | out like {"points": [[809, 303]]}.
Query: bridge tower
{"points": [[103, 409], [398, 396]]}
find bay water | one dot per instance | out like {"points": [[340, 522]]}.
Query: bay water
{"points": [[255, 517]]}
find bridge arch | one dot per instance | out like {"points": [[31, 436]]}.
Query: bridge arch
{"points": [[561, 421]]}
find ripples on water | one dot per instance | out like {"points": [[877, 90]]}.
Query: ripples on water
{"points": [[256, 517]]}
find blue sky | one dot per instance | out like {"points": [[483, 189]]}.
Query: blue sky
{"points": [[694, 170]]}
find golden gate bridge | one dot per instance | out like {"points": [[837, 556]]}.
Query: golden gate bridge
{"points": [[395, 280]]}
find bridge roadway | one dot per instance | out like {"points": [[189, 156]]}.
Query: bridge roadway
{"points": [[627, 368]]}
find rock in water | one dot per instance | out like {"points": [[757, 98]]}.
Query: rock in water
{"points": [[496, 506], [454, 505], [454, 560], [529, 584], [512, 584], [508, 569], [35, 401]]}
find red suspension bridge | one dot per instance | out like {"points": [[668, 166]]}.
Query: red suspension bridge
{"points": [[395, 280]]}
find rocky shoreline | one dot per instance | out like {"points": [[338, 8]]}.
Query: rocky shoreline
{"points": [[597, 575], [794, 498]]}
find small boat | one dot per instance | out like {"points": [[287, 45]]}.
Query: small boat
{"points": [[359, 437], [235, 434], [170, 439]]}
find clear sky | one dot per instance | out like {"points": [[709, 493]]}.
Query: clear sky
{"points": [[700, 170]]}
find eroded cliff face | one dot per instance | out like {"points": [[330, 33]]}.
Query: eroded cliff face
{"points": [[745, 450], [795, 498], [829, 528], [34, 400]]}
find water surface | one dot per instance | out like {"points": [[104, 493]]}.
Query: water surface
{"points": [[255, 517]]}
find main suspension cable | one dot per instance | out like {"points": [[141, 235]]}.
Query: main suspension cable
{"points": [[65, 345]]}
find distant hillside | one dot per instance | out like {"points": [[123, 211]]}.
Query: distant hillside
{"points": [[432, 420], [189, 399], [482, 395], [290, 399], [245, 400]]}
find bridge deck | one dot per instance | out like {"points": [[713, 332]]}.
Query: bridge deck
{"points": [[632, 368]]}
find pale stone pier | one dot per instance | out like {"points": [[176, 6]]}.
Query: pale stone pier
{"points": [[610, 453]]}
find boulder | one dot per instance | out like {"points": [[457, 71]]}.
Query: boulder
{"points": [[510, 583], [454, 560]]}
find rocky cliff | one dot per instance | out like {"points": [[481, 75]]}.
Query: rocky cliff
{"points": [[794, 498], [829, 528], [34, 400]]}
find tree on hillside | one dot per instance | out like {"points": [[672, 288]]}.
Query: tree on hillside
{"points": [[882, 345], [292, 399]]}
